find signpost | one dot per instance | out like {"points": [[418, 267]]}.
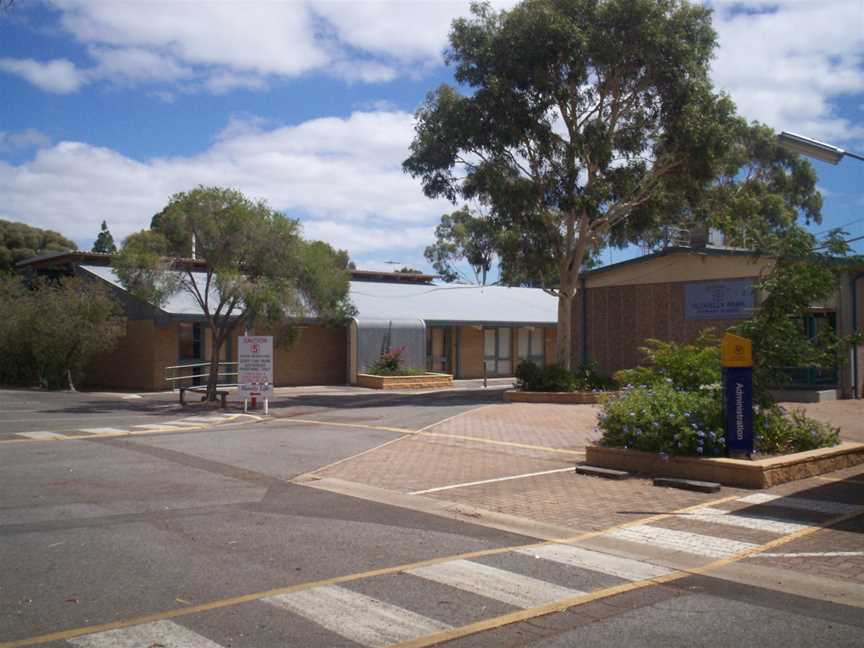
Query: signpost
{"points": [[736, 356], [255, 368]]}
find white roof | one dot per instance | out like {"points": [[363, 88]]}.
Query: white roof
{"points": [[451, 303], [448, 303]]}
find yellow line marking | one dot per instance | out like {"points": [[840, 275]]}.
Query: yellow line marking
{"points": [[560, 606], [455, 416], [246, 598], [348, 425], [504, 443]]}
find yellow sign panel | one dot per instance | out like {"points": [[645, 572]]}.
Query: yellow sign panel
{"points": [[736, 351]]}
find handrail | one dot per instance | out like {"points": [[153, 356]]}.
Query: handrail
{"points": [[173, 379]]}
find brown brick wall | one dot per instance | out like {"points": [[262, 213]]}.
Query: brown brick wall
{"points": [[621, 318], [139, 361], [318, 357]]}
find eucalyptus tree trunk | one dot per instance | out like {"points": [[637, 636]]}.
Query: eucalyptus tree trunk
{"points": [[213, 376]]}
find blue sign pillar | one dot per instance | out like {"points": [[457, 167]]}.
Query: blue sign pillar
{"points": [[738, 394]]}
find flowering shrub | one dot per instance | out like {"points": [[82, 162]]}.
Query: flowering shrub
{"points": [[390, 364], [662, 419], [677, 409]]}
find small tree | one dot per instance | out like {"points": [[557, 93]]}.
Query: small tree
{"points": [[463, 237], [805, 275], [104, 242], [52, 330], [256, 269]]}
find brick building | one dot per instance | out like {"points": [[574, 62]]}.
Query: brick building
{"points": [[675, 293], [453, 329]]}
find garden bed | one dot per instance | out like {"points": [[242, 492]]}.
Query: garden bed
{"points": [[419, 381], [561, 398], [743, 473]]}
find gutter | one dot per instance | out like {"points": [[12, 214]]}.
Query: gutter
{"points": [[855, 385]]}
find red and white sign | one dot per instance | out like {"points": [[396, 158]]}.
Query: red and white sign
{"points": [[255, 365]]}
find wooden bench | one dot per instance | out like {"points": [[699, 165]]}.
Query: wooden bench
{"points": [[222, 393]]}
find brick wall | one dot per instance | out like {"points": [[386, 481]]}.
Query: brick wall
{"points": [[139, 360], [318, 357], [621, 318]]}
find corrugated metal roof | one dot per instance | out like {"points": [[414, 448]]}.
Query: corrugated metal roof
{"points": [[454, 303], [443, 304]]}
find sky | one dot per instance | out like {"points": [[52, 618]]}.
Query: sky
{"points": [[108, 108]]}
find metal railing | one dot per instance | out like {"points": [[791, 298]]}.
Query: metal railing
{"points": [[172, 377]]}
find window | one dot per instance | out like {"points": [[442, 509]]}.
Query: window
{"points": [[189, 334], [530, 345]]}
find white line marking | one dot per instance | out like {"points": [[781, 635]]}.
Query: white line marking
{"points": [[625, 568], [161, 426], [811, 554], [165, 634], [694, 543], [801, 503], [41, 436], [104, 430], [731, 518], [356, 616], [491, 481], [131, 397], [494, 583]]}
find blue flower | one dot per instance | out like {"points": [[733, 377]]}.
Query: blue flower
{"points": [[700, 434], [699, 449]]}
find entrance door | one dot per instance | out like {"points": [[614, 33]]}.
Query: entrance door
{"points": [[498, 351], [438, 349]]}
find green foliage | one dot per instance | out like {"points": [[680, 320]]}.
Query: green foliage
{"points": [[144, 269], [674, 405], [391, 363], [254, 268], [660, 418], [407, 270], [804, 276], [605, 117], [554, 378], [51, 331], [683, 366], [462, 236], [104, 242], [19, 241]]}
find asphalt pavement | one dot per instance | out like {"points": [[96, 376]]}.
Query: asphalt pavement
{"points": [[197, 537]]}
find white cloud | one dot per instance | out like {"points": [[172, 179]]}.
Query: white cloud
{"points": [[22, 140], [57, 75], [134, 64], [342, 176], [785, 62]]}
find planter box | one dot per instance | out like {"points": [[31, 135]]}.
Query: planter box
{"points": [[562, 398], [743, 473], [421, 381]]}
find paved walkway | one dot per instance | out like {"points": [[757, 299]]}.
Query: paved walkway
{"points": [[516, 459]]}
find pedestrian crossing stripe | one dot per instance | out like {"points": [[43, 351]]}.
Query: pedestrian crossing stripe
{"points": [[357, 617], [491, 582], [165, 634], [695, 543], [757, 523], [801, 503], [596, 561]]}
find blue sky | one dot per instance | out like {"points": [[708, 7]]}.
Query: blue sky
{"points": [[110, 107]]}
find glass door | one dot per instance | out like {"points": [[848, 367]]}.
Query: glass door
{"points": [[497, 351], [438, 349]]}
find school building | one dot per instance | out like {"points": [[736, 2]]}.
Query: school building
{"points": [[671, 294]]}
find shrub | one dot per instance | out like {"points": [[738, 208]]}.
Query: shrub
{"points": [[390, 364], [554, 378], [778, 432], [684, 366], [661, 419]]}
